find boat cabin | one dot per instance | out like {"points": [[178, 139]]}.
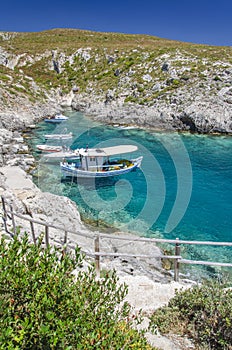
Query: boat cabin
{"points": [[98, 159]]}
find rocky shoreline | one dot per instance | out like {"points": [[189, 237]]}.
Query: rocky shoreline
{"points": [[15, 123], [180, 88], [149, 284], [16, 164], [21, 119], [16, 185], [203, 116]]}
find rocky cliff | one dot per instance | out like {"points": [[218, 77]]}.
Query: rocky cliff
{"points": [[117, 78]]}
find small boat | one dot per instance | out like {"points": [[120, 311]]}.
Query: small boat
{"points": [[126, 127], [58, 136], [61, 155], [49, 148], [58, 118], [97, 162]]}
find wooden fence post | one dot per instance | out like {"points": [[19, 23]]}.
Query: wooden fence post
{"points": [[33, 232], [176, 262], [65, 242], [4, 213], [46, 236], [13, 219], [97, 257]]}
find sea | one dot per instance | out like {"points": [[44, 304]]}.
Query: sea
{"points": [[182, 190]]}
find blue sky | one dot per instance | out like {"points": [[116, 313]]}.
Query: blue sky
{"points": [[203, 22]]}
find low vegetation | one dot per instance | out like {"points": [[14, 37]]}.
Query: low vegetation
{"points": [[129, 65], [44, 305], [203, 314]]}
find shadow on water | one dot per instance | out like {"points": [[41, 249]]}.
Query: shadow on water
{"points": [[91, 183]]}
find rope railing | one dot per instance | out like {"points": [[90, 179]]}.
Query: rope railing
{"points": [[10, 214]]}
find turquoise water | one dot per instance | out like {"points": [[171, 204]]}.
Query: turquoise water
{"points": [[183, 188]]}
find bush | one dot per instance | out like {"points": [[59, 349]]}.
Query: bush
{"points": [[203, 313], [43, 305]]}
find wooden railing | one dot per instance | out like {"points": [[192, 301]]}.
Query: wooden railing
{"points": [[9, 214]]}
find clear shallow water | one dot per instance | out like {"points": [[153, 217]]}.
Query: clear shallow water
{"points": [[183, 188]]}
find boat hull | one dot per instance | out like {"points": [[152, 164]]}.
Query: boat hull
{"points": [[47, 148], [69, 155], [58, 136], [72, 172], [56, 119]]}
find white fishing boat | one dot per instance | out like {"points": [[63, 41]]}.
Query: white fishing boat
{"points": [[58, 136], [49, 148], [58, 118], [126, 127], [68, 154], [97, 162]]}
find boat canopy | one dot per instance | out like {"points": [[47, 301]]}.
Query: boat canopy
{"points": [[107, 151]]}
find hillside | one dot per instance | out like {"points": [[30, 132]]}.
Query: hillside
{"points": [[119, 78]]}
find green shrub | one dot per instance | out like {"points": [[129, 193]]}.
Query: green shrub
{"points": [[216, 78], [130, 99], [43, 305], [204, 313]]}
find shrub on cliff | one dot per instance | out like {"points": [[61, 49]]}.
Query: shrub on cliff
{"points": [[43, 305], [203, 313]]}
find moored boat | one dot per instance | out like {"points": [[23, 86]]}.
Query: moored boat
{"points": [[61, 155], [58, 136], [49, 148], [99, 164], [58, 118]]}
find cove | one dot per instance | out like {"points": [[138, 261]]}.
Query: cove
{"points": [[183, 188]]}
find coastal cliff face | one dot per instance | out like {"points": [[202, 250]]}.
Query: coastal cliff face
{"points": [[116, 78]]}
